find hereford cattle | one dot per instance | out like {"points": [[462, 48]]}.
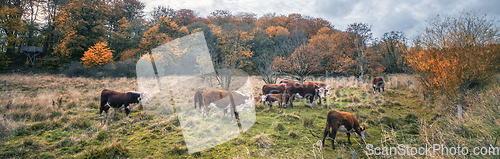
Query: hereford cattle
{"points": [[115, 99], [273, 89], [339, 121], [198, 99], [259, 99], [307, 90], [223, 100], [324, 91], [271, 98], [378, 83]]}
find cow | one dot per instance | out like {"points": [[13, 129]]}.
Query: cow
{"points": [[339, 121], [273, 89], [223, 100], [115, 99], [378, 83], [324, 91], [259, 99], [271, 98], [307, 89], [198, 99]]}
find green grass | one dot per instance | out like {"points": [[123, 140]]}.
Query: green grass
{"points": [[76, 130]]}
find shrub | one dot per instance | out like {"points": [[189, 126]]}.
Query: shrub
{"points": [[97, 55]]}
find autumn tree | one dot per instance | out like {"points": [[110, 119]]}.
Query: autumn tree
{"points": [[456, 53], [163, 32], [79, 25], [11, 27], [97, 55], [303, 62]]}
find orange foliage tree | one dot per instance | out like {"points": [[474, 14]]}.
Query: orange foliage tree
{"points": [[303, 62], [97, 55], [456, 53]]}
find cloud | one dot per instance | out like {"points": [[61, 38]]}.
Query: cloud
{"points": [[383, 15]]}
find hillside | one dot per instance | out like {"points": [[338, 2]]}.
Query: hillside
{"points": [[50, 116]]}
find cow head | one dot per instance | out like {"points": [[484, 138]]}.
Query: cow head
{"points": [[242, 101], [144, 98], [362, 136]]}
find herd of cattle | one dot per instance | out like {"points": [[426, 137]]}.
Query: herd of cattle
{"points": [[282, 93]]}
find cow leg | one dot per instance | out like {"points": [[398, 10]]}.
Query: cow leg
{"points": [[101, 107], [349, 138], [127, 111], [383, 91], [291, 100], [311, 100], [279, 104], [325, 133], [332, 135]]}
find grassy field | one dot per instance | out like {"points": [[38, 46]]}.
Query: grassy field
{"points": [[50, 116]]}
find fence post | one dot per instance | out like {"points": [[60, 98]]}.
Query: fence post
{"points": [[353, 154], [459, 111]]}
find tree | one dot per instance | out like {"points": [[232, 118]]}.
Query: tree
{"points": [[456, 53], [361, 33], [304, 61], [11, 25], [97, 55], [392, 48], [80, 24], [162, 11]]}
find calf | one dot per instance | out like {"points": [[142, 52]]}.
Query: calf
{"points": [[342, 122], [115, 99], [378, 83], [271, 98]]}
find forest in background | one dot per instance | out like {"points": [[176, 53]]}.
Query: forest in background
{"points": [[451, 55]]}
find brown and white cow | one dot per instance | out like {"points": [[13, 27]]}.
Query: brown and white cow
{"points": [[324, 91], [378, 83], [223, 99], [198, 99], [115, 99], [307, 90], [271, 98], [339, 121]]}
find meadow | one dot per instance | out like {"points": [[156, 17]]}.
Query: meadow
{"points": [[53, 116]]}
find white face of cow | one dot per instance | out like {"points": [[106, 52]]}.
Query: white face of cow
{"points": [[362, 137], [322, 92], [144, 98]]}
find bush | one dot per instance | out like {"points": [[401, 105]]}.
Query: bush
{"points": [[118, 69]]}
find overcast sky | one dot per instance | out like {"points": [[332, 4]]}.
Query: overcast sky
{"points": [[383, 15]]}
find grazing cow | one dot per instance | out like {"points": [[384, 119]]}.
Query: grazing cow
{"points": [[307, 89], [342, 122], [223, 100], [378, 83], [273, 89], [115, 99], [271, 98], [198, 99], [259, 99]]}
